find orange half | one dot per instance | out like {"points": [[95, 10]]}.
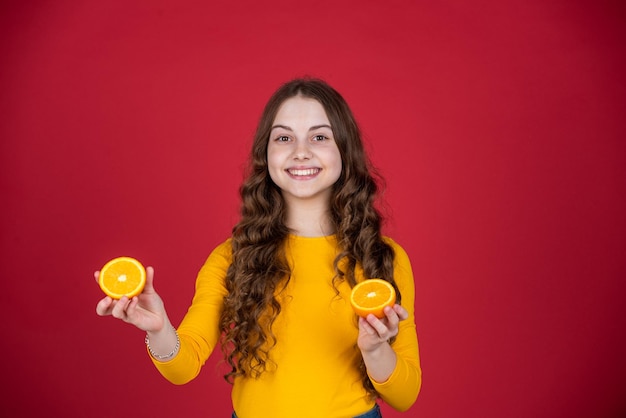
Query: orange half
{"points": [[122, 276], [372, 296]]}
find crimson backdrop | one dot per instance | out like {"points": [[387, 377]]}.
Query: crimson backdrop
{"points": [[498, 125]]}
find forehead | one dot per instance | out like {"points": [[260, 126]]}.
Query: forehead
{"points": [[301, 110]]}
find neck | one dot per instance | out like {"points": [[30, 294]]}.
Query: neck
{"points": [[309, 220]]}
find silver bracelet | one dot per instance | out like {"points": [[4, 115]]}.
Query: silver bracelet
{"points": [[167, 356]]}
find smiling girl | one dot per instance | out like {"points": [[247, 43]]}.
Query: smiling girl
{"points": [[275, 295]]}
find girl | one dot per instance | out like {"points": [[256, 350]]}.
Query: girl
{"points": [[276, 294]]}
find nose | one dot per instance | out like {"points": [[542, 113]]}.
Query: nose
{"points": [[302, 150]]}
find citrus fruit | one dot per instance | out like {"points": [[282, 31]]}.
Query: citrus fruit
{"points": [[372, 296], [122, 276]]}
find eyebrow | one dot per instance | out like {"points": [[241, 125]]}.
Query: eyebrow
{"points": [[312, 128]]}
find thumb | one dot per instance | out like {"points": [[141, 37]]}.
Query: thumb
{"points": [[149, 280]]}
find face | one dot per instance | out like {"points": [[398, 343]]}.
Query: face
{"points": [[302, 156]]}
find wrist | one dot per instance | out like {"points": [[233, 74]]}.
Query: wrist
{"points": [[163, 357]]}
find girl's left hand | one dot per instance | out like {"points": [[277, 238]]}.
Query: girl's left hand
{"points": [[374, 332]]}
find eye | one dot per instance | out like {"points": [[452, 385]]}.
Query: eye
{"points": [[282, 138], [320, 138]]}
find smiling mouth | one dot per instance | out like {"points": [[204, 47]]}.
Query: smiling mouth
{"points": [[303, 172]]}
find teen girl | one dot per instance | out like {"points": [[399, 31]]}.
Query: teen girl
{"points": [[275, 295]]}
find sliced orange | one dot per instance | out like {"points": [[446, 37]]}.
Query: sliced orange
{"points": [[372, 296], [122, 276]]}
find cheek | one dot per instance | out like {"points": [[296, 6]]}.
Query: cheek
{"points": [[273, 162], [271, 156], [336, 162]]}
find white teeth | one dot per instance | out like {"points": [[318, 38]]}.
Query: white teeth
{"points": [[305, 172]]}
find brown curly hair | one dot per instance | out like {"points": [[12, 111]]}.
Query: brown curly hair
{"points": [[259, 269]]}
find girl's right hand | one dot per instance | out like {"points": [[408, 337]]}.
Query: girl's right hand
{"points": [[145, 311]]}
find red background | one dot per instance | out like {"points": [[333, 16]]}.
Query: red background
{"points": [[497, 124]]}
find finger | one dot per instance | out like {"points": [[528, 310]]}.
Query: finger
{"points": [[402, 313], [132, 305], [103, 307], [149, 287], [392, 317], [364, 326], [378, 326], [393, 321], [96, 274], [119, 308]]}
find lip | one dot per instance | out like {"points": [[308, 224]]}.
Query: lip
{"points": [[303, 173]]}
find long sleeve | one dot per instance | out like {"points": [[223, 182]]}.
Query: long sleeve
{"points": [[199, 330], [401, 389]]}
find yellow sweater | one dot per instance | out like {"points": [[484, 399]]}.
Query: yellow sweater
{"points": [[315, 354]]}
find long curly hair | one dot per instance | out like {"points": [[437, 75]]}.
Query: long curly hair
{"points": [[259, 269]]}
